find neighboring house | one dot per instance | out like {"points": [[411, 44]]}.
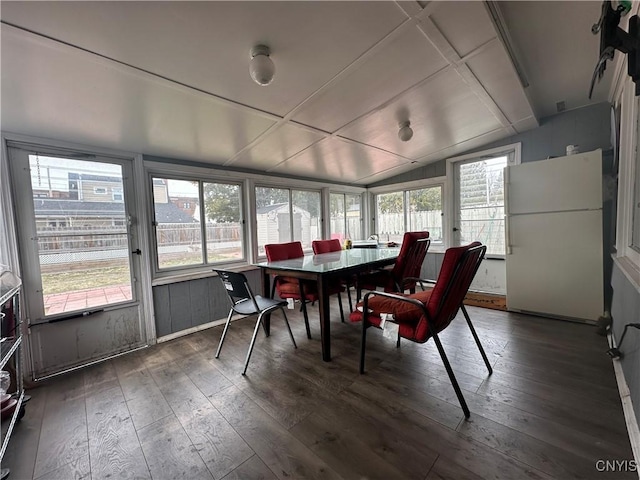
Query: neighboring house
{"points": [[160, 192], [95, 188], [86, 221], [186, 204]]}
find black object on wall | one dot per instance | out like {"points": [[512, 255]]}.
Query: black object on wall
{"points": [[613, 38]]}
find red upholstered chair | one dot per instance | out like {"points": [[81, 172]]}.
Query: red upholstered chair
{"points": [[289, 287], [423, 315], [407, 267], [333, 245], [326, 246]]}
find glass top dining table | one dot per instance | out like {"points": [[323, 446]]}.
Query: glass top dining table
{"points": [[323, 268]]}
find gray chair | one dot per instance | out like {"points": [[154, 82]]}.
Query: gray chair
{"points": [[244, 302]]}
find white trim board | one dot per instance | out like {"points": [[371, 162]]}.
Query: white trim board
{"points": [[627, 405], [195, 329]]}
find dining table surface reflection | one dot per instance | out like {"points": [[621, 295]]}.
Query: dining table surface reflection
{"points": [[325, 268]]}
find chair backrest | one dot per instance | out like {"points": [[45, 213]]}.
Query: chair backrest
{"points": [[236, 286], [459, 267], [411, 256], [283, 251], [326, 246]]}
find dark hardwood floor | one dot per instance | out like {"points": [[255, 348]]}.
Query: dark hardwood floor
{"points": [[551, 409]]}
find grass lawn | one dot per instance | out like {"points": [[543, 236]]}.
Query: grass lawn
{"points": [[74, 277]]}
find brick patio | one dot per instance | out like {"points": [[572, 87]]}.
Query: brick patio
{"points": [[83, 299]]}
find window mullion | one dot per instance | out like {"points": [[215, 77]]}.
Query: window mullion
{"points": [[406, 207], [291, 237], [203, 226]]}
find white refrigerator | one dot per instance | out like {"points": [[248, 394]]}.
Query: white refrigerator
{"points": [[554, 261]]}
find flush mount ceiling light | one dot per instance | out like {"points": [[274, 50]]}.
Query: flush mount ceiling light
{"points": [[405, 133], [261, 67]]}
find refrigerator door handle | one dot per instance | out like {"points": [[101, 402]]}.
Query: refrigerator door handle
{"points": [[507, 216], [508, 235]]}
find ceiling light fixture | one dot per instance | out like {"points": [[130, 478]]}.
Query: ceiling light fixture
{"points": [[261, 66], [406, 132]]}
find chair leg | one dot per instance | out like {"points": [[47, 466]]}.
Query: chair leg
{"points": [[306, 318], [398, 342], [340, 304], [475, 337], [303, 302], [224, 333], [253, 341], [363, 344], [452, 376], [349, 296], [289, 327]]}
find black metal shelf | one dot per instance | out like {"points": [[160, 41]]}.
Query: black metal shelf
{"points": [[10, 348]]}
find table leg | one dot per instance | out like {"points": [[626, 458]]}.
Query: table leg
{"points": [[325, 325], [266, 318]]}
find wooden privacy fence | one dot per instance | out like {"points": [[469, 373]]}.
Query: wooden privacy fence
{"points": [[190, 233], [393, 223]]}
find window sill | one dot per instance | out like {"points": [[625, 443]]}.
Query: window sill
{"points": [[629, 269], [197, 275]]}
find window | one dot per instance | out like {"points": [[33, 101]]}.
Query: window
{"points": [[117, 194], [287, 215], [196, 237], [100, 190], [627, 207], [635, 224], [480, 200], [345, 216], [81, 259], [409, 210], [425, 211], [390, 218]]}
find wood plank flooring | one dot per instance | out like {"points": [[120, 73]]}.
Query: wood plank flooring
{"points": [[550, 410]]}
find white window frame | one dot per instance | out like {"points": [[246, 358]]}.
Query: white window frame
{"points": [[250, 181], [344, 195], [513, 152], [139, 215], [626, 256], [183, 272], [100, 190], [413, 185], [323, 212]]}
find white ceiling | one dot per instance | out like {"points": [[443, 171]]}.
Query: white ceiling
{"points": [[171, 79]]}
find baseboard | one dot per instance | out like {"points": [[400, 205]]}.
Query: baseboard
{"points": [[627, 407], [486, 300], [188, 331]]}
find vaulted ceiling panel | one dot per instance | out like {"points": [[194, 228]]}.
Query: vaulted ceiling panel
{"points": [[341, 161], [389, 71], [206, 44], [465, 146], [497, 75], [443, 111], [170, 78], [54, 91], [276, 147], [557, 51], [466, 25]]}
